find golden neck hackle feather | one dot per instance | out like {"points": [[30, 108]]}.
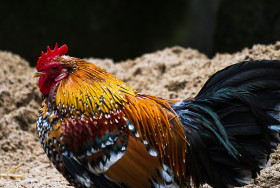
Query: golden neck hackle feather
{"points": [[90, 89]]}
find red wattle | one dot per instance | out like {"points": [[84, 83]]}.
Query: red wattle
{"points": [[45, 84]]}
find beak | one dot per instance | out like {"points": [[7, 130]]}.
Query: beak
{"points": [[38, 74]]}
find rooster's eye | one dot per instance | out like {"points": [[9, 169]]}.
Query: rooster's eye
{"points": [[54, 68]]}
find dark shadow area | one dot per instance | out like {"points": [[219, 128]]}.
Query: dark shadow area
{"points": [[244, 23], [122, 29]]}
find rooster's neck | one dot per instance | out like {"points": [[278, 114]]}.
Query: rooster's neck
{"points": [[89, 90]]}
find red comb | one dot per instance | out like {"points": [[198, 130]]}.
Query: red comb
{"points": [[46, 57]]}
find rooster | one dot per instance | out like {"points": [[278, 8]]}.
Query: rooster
{"points": [[99, 132]]}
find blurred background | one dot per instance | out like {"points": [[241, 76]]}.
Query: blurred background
{"points": [[122, 29]]}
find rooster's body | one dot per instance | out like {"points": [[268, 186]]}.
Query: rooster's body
{"points": [[99, 132]]}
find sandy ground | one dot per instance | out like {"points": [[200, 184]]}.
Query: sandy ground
{"points": [[171, 73]]}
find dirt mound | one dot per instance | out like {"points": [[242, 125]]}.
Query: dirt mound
{"points": [[171, 73]]}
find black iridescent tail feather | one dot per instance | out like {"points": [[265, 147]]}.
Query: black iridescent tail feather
{"points": [[233, 123]]}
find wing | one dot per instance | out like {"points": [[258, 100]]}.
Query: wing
{"points": [[94, 144], [111, 151], [128, 146]]}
